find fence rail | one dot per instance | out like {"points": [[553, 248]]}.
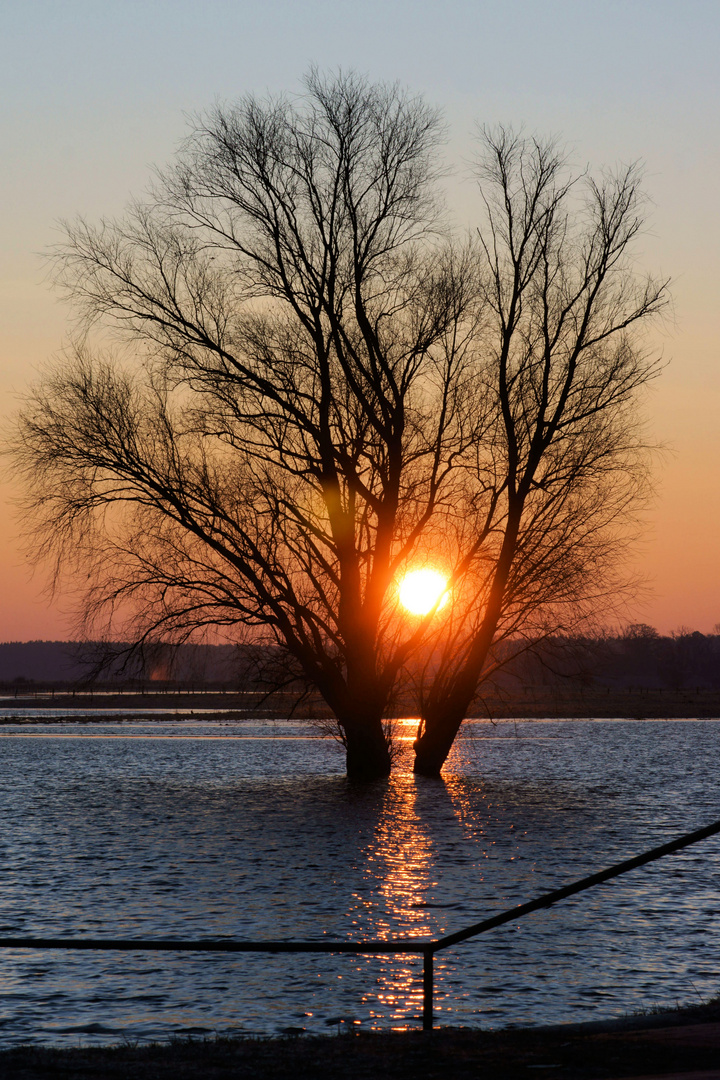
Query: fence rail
{"points": [[393, 947]]}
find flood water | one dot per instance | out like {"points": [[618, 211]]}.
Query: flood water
{"points": [[200, 829]]}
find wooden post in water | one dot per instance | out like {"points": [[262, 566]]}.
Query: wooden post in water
{"points": [[428, 956]]}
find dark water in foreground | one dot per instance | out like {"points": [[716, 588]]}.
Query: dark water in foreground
{"points": [[250, 830]]}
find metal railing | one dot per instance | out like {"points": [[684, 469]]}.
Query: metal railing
{"points": [[397, 947]]}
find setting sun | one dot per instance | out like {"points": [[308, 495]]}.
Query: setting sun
{"points": [[421, 590]]}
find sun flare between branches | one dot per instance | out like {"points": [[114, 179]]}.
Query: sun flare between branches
{"points": [[422, 590]]}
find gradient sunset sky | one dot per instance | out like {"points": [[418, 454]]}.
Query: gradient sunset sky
{"points": [[96, 92]]}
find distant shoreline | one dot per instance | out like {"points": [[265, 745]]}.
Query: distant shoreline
{"points": [[532, 704]]}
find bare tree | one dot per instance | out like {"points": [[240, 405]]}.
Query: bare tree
{"points": [[563, 463], [274, 441], [317, 389]]}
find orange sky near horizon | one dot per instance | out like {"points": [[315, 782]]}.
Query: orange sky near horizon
{"points": [[95, 95]]}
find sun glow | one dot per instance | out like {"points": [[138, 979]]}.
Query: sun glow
{"points": [[421, 590]]}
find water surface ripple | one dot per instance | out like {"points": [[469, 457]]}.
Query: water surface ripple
{"points": [[200, 829]]}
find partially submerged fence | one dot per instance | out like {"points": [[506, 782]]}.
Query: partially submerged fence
{"points": [[397, 947]]}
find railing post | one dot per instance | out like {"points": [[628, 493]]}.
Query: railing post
{"points": [[428, 957]]}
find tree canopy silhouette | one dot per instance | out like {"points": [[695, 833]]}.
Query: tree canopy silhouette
{"points": [[560, 366], [310, 386]]}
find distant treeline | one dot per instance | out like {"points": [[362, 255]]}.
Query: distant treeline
{"points": [[638, 657], [69, 663]]}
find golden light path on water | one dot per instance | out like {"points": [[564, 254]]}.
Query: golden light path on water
{"points": [[402, 859]]}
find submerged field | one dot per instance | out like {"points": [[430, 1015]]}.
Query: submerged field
{"points": [[199, 828]]}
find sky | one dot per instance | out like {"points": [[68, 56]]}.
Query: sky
{"points": [[96, 92]]}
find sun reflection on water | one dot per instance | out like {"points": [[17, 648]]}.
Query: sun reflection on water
{"points": [[400, 874]]}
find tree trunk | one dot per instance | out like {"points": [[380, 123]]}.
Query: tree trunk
{"points": [[447, 708], [435, 743], [368, 754]]}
